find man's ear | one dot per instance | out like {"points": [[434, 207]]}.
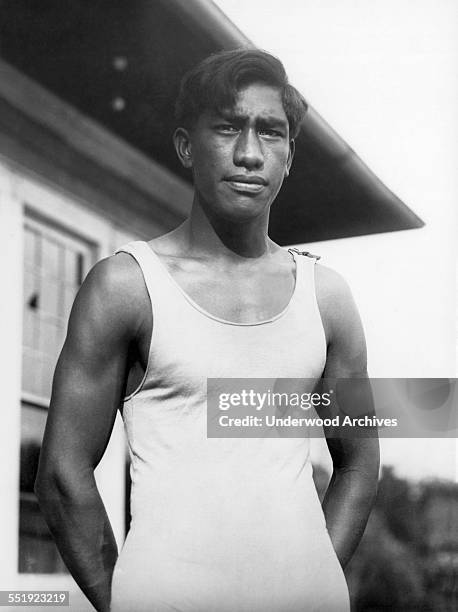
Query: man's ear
{"points": [[182, 142], [289, 161]]}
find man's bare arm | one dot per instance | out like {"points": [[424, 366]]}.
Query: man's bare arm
{"points": [[87, 390], [352, 490]]}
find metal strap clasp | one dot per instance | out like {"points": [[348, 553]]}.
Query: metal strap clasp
{"points": [[306, 253]]}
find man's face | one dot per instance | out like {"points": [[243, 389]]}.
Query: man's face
{"points": [[240, 156]]}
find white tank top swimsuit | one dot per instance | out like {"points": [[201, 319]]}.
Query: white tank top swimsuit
{"points": [[232, 524]]}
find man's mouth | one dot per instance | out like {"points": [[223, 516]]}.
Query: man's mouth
{"points": [[246, 184]]}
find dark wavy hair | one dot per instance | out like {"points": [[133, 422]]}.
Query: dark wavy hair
{"points": [[215, 82]]}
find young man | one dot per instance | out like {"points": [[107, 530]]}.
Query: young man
{"points": [[230, 524]]}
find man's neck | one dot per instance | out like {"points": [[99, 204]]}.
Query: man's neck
{"points": [[225, 239]]}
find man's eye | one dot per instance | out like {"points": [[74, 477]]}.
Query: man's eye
{"points": [[270, 133], [227, 127]]}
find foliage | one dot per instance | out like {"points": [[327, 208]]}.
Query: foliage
{"points": [[408, 557]]}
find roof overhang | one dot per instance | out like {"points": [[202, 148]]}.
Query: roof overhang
{"points": [[72, 50]]}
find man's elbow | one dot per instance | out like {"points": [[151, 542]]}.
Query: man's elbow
{"points": [[59, 481], [46, 484], [361, 465]]}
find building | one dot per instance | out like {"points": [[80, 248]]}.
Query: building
{"points": [[86, 164]]}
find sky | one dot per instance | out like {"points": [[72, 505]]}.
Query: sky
{"points": [[384, 75], [362, 63]]}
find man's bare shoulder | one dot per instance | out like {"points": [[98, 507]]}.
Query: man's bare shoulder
{"points": [[331, 287], [113, 294], [118, 273], [335, 300]]}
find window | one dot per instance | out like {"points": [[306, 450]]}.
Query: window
{"points": [[54, 267], [55, 264]]}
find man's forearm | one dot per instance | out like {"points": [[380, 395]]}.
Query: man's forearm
{"points": [[347, 504], [79, 524]]}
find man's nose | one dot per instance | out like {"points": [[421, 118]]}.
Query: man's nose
{"points": [[248, 150]]}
